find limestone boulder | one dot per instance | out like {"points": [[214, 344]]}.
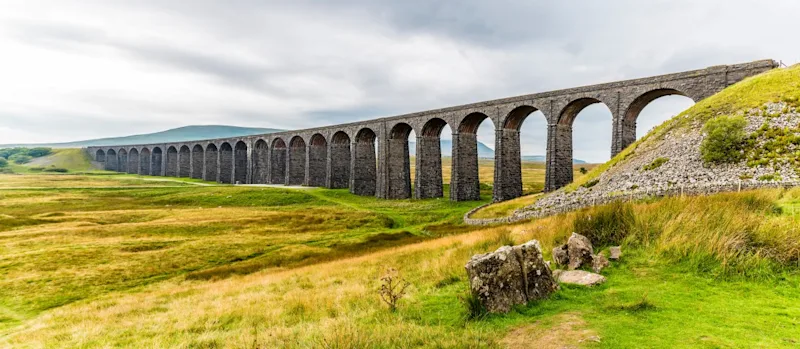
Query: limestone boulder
{"points": [[510, 276], [560, 255], [538, 279], [599, 262], [615, 252], [580, 251], [580, 277], [496, 279]]}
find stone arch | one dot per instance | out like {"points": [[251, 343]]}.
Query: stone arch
{"points": [[340, 161], [277, 162], [508, 156], [211, 163], [240, 163], [465, 182], [296, 161], [198, 158], [100, 156], [122, 155], [184, 161], [111, 160], [364, 170], [144, 162], [429, 182], [560, 139], [260, 162], [635, 108], [398, 162], [156, 161], [317, 160], [172, 162], [133, 161], [225, 163]]}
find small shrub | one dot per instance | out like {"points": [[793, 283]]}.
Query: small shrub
{"points": [[606, 225], [583, 170], [725, 138], [20, 158], [56, 169], [655, 164], [591, 183], [36, 169], [474, 307], [770, 177], [5, 170], [393, 288], [39, 152]]}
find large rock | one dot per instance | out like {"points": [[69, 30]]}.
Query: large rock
{"points": [[560, 255], [580, 251], [510, 276], [538, 279], [496, 279], [580, 277]]}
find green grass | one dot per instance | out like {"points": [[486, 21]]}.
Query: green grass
{"points": [[777, 85], [121, 238]]}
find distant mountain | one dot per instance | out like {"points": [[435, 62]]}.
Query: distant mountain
{"points": [[447, 149], [181, 134], [483, 152], [542, 158]]}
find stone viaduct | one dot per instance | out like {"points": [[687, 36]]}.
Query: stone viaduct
{"points": [[372, 157]]}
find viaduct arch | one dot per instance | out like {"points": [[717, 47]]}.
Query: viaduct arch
{"points": [[372, 157]]}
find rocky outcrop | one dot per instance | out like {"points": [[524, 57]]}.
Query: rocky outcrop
{"points": [[580, 277], [510, 276]]}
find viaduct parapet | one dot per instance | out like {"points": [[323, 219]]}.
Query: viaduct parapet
{"points": [[372, 157]]}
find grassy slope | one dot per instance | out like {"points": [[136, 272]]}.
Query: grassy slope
{"points": [[779, 85], [697, 272]]}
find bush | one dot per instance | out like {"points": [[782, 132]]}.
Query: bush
{"points": [[20, 158], [655, 164], [591, 183], [39, 152], [3, 162], [606, 225], [583, 170], [56, 169], [725, 138]]}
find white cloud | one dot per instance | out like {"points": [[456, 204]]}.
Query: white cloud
{"points": [[83, 69]]}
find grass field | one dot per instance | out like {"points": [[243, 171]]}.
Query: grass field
{"points": [[264, 267], [109, 260]]}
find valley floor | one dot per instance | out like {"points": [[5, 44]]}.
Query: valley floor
{"points": [[119, 261]]}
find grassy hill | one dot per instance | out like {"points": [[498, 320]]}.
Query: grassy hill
{"points": [[186, 133]]}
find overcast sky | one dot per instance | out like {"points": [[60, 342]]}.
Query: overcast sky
{"points": [[72, 70]]}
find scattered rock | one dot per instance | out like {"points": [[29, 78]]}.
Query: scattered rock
{"points": [[580, 277], [599, 262], [510, 276], [496, 279], [616, 252], [580, 251], [560, 255]]}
